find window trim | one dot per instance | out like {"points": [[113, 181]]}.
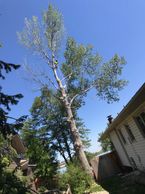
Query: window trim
{"points": [[122, 136], [137, 123], [130, 133]]}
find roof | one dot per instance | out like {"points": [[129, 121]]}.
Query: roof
{"points": [[105, 153], [132, 105]]}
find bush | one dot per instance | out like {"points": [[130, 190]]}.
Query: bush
{"points": [[76, 177]]}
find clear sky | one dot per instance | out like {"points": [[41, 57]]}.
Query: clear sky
{"points": [[114, 26]]}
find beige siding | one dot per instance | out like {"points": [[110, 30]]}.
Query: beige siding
{"points": [[136, 149], [119, 149]]}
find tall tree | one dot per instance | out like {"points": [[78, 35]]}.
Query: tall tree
{"points": [[48, 120], [81, 71]]}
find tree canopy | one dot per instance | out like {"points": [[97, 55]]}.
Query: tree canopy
{"points": [[48, 122], [81, 70]]}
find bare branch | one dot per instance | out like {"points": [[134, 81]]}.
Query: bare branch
{"points": [[82, 92], [67, 77], [45, 56], [50, 80], [34, 76]]}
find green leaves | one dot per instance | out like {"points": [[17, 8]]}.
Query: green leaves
{"points": [[39, 151], [105, 143], [88, 71], [6, 101], [43, 37], [83, 69], [54, 114], [79, 60], [54, 28], [7, 67], [76, 177], [108, 82]]}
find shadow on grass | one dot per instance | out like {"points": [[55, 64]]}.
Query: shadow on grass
{"points": [[118, 185]]}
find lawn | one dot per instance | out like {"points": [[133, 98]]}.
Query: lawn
{"points": [[118, 185]]}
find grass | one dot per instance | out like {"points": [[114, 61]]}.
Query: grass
{"points": [[117, 185], [95, 188]]}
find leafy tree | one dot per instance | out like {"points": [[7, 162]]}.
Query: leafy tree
{"points": [[81, 71], [48, 117], [78, 180], [40, 153], [106, 143]]}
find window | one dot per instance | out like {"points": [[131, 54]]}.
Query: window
{"points": [[132, 138], [122, 136], [141, 122]]}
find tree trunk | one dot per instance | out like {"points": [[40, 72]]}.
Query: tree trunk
{"points": [[74, 131], [67, 147], [62, 152]]}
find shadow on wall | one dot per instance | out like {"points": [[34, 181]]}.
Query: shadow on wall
{"points": [[105, 165]]}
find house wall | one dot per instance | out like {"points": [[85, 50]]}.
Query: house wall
{"points": [[118, 147], [135, 149]]}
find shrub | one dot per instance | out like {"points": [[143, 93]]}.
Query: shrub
{"points": [[78, 180]]}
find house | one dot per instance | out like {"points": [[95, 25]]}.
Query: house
{"points": [[127, 132]]}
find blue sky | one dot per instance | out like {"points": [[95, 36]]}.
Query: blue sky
{"points": [[114, 26]]}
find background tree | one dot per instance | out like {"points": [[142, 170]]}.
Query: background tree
{"points": [[5, 102], [40, 153], [81, 71], [48, 119], [106, 143], [9, 182]]}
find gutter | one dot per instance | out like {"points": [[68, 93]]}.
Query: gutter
{"points": [[135, 101]]}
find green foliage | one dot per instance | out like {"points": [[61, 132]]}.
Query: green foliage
{"points": [[7, 67], [54, 28], [49, 120], [7, 100], [42, 35], [9, 182], [108, 81], [106, 144], [88, 71], [91, 155], [39, 152], [82, 70], [78, 180]]}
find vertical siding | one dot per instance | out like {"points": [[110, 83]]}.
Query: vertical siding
{"points": [[136, 149], [119, 149]]}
